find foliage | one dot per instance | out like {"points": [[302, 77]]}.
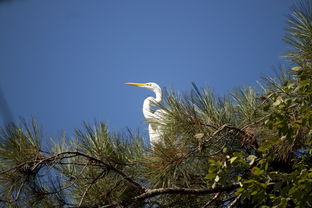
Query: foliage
{"points": [[247, 149]]}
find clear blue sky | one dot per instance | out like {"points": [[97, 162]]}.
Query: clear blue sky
{"points": [[65, 62]]}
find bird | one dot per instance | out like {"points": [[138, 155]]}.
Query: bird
{"points": [[154, 118]]}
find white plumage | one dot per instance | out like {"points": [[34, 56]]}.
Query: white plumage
{"points": [[154, 118]]}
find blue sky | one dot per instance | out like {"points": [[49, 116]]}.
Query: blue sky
{"points": [[65, 62]]}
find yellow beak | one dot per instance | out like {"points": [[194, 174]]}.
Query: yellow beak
{"points": [[135, 84]]}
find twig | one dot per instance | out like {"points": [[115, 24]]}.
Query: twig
{"points": [[74, 181], [19, 190], [255, 122], [227, 126], [211, 200], [127, 178], [234, 201], [14, 168], [89, 186], [69, 154], [57, 159]]}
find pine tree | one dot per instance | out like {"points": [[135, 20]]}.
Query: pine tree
{"points": [[251, 148]]}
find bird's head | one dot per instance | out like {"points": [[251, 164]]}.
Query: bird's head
{"points": [[149, 85]]}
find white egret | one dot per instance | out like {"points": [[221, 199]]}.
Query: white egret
{"points": [[154, 118]]}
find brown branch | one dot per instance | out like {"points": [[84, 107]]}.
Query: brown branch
{"points": [[111, 167], [69, 154], [149, 193], [160, 191], [14, 168], [57, 159]]}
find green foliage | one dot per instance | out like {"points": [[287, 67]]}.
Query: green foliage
{"points": [[299, 33], [21, 179], [98, 155], [285, 179]]}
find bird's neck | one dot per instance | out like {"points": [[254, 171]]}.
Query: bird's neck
{"points": [[158, 96], [149, 102]]}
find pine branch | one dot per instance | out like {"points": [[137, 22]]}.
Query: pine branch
{"points": [[160, 191], [149, 193], [69, 154]]}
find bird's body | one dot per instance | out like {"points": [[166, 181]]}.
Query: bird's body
{"points": [[153, 118]]}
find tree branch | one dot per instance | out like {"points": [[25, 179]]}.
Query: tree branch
{"points": [[69, 154], [160, 191], [149, 193]]}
